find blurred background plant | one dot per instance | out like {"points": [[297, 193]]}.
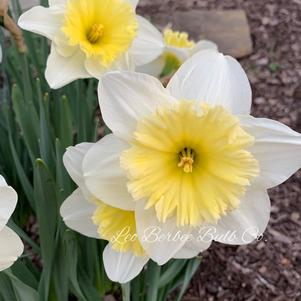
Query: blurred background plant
{"points": [[37, 124]]}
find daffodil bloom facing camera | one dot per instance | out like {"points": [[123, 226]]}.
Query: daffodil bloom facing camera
{"points": [[11, 246], [92, 37], [178, 48], [124, 256], [189, 156]]}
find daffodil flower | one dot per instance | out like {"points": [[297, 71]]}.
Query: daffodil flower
{"points": [[189, 156], [178, 48], [11, 246], [92, 37], [124, 256], [82, 212]]}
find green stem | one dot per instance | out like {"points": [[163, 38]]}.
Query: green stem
{"points": [[153, 276], [126, 291]]}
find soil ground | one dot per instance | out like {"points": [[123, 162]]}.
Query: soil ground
{"points": [[269, 269]]}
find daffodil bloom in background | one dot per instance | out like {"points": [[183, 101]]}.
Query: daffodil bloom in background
{"points": [[189, 156], [11, 246], [124, 256], [91, 37], [178, 48]]}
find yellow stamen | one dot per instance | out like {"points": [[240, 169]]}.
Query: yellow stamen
{"points": [[95, 33], [186, 159]]}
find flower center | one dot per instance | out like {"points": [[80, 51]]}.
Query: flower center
{"points": [[186, 159], [95, 33], [103, 30]]}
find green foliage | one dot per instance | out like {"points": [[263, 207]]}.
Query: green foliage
{"points": [[274, 67], [37, 124], [171, 65]]}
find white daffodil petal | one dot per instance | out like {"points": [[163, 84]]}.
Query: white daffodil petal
{"points": [[244, 224], [104, 177], [96, 69], [8, 202], [62, 46], [2, 182], [77, 213], [125, 97], [211, 77], [11, 248], [153, 68], [277, 148], [73, 160], [194, 246], [124, 63], [203, 45], [161, 241], [44, 21], [64, 49], [134, 3], [148, 44], [122, 267], [62, 70], [56, 2], [182, 54]]}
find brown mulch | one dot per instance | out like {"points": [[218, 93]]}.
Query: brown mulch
{"points": [[269, 269]]}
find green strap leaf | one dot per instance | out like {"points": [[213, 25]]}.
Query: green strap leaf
{"points": [[22, 291]]}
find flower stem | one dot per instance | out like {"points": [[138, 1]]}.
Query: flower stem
{"points": [[126, 291]]}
